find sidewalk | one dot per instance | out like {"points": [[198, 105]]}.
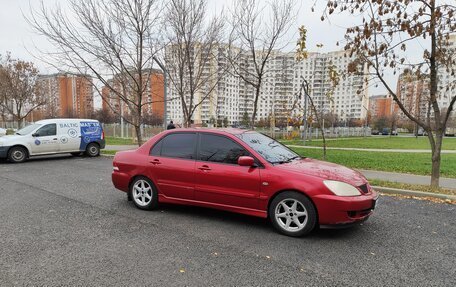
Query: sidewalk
{"points": [[407, 178], [374, 149], [121, 147]]}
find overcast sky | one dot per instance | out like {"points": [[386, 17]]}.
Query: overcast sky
{"points": [[17, 37]]}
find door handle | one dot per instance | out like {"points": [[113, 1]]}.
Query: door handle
{"points": [[155, 161], [204, 168]]}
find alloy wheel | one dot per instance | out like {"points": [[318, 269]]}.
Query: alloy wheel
{"points": [[142, 193], [291, 215]]}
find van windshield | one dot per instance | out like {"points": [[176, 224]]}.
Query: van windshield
{"points": [[27, 129]]}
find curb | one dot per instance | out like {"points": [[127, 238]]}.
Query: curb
{"points": [[413, 192]]}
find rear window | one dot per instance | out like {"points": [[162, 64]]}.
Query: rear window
{"points": [[178, 145]]}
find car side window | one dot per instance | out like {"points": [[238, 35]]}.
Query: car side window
{"points": [[47, 130], [179, 145], [220, 149], [156, 149]]}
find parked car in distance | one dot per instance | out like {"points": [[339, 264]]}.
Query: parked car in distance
{"points": [[244, 172], [450, 132], [420, 132], [394, 132], [375, 132], [53, 136], [2, 132], [385, 131]]}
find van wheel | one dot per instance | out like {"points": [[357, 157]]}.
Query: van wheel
{"points": [[17, 154], [292, 214], [92, 150]]}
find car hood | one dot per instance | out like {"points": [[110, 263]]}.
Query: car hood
{"points": [[9, 138], [324, 170]]}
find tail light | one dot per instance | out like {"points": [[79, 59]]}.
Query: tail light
{"points": [[102, 135]]}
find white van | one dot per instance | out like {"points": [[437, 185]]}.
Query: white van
{"points": [[54, 136]]}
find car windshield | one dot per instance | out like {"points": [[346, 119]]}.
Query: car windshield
{"points": [[271, 150], [27, 129]]}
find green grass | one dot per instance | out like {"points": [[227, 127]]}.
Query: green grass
{"points": [[109, 152], [119, 141], [385, 142], [416, 187], [414, 163]]}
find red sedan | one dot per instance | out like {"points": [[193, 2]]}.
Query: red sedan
{"points": [[245, 172]]}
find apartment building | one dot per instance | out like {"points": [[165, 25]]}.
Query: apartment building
{"points": [[447, 79], [413, 92], [382, 106], [67, 96], [232, 96], [153, 97]]}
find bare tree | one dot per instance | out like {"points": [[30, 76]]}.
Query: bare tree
{"points": [[19, 93], [334, 79], [106, 39], [256, 32], [389, 32], [191, 55]]}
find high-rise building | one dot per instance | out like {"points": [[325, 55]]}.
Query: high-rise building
{"points": [[153, 97], [232, 96], [66, 95], [413, 92], [382, 106], [447, 75]]}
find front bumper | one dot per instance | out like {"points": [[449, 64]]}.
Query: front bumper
{"points": [[4, 151], [335, 210]]}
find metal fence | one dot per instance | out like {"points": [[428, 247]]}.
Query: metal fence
{"points": [[313, 133], [128, 131]]}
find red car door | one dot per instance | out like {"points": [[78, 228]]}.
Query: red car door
{"points": [[219, 179], [172, 165]]}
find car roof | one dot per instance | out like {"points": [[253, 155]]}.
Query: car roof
{"points": [[232, 131], [64, 120]]}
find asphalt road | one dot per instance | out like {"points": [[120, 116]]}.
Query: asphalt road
{"points": [[62, 222]]}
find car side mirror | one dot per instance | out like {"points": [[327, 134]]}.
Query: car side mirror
{"points": [[35, 135], [246, 161]]}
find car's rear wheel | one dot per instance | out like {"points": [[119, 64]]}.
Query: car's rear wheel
{"points": [[292, 214], [143, 193], [17, 154], [92, 150]]}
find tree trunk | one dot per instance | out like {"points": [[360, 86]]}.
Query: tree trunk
{"points": [[324, 142], [436, 158], [257, 96], [139, 134]]}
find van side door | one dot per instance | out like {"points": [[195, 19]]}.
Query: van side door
{"points": [[69, 134], [45, 140]]}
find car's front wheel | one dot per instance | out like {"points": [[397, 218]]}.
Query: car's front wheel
{"points": [[17, 154], [143, 193], [292, 214]]}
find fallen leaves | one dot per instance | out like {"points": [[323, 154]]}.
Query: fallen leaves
{"points": [[428, 198]]}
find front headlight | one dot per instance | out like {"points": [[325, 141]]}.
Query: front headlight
{"points": [[341, 188]]}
